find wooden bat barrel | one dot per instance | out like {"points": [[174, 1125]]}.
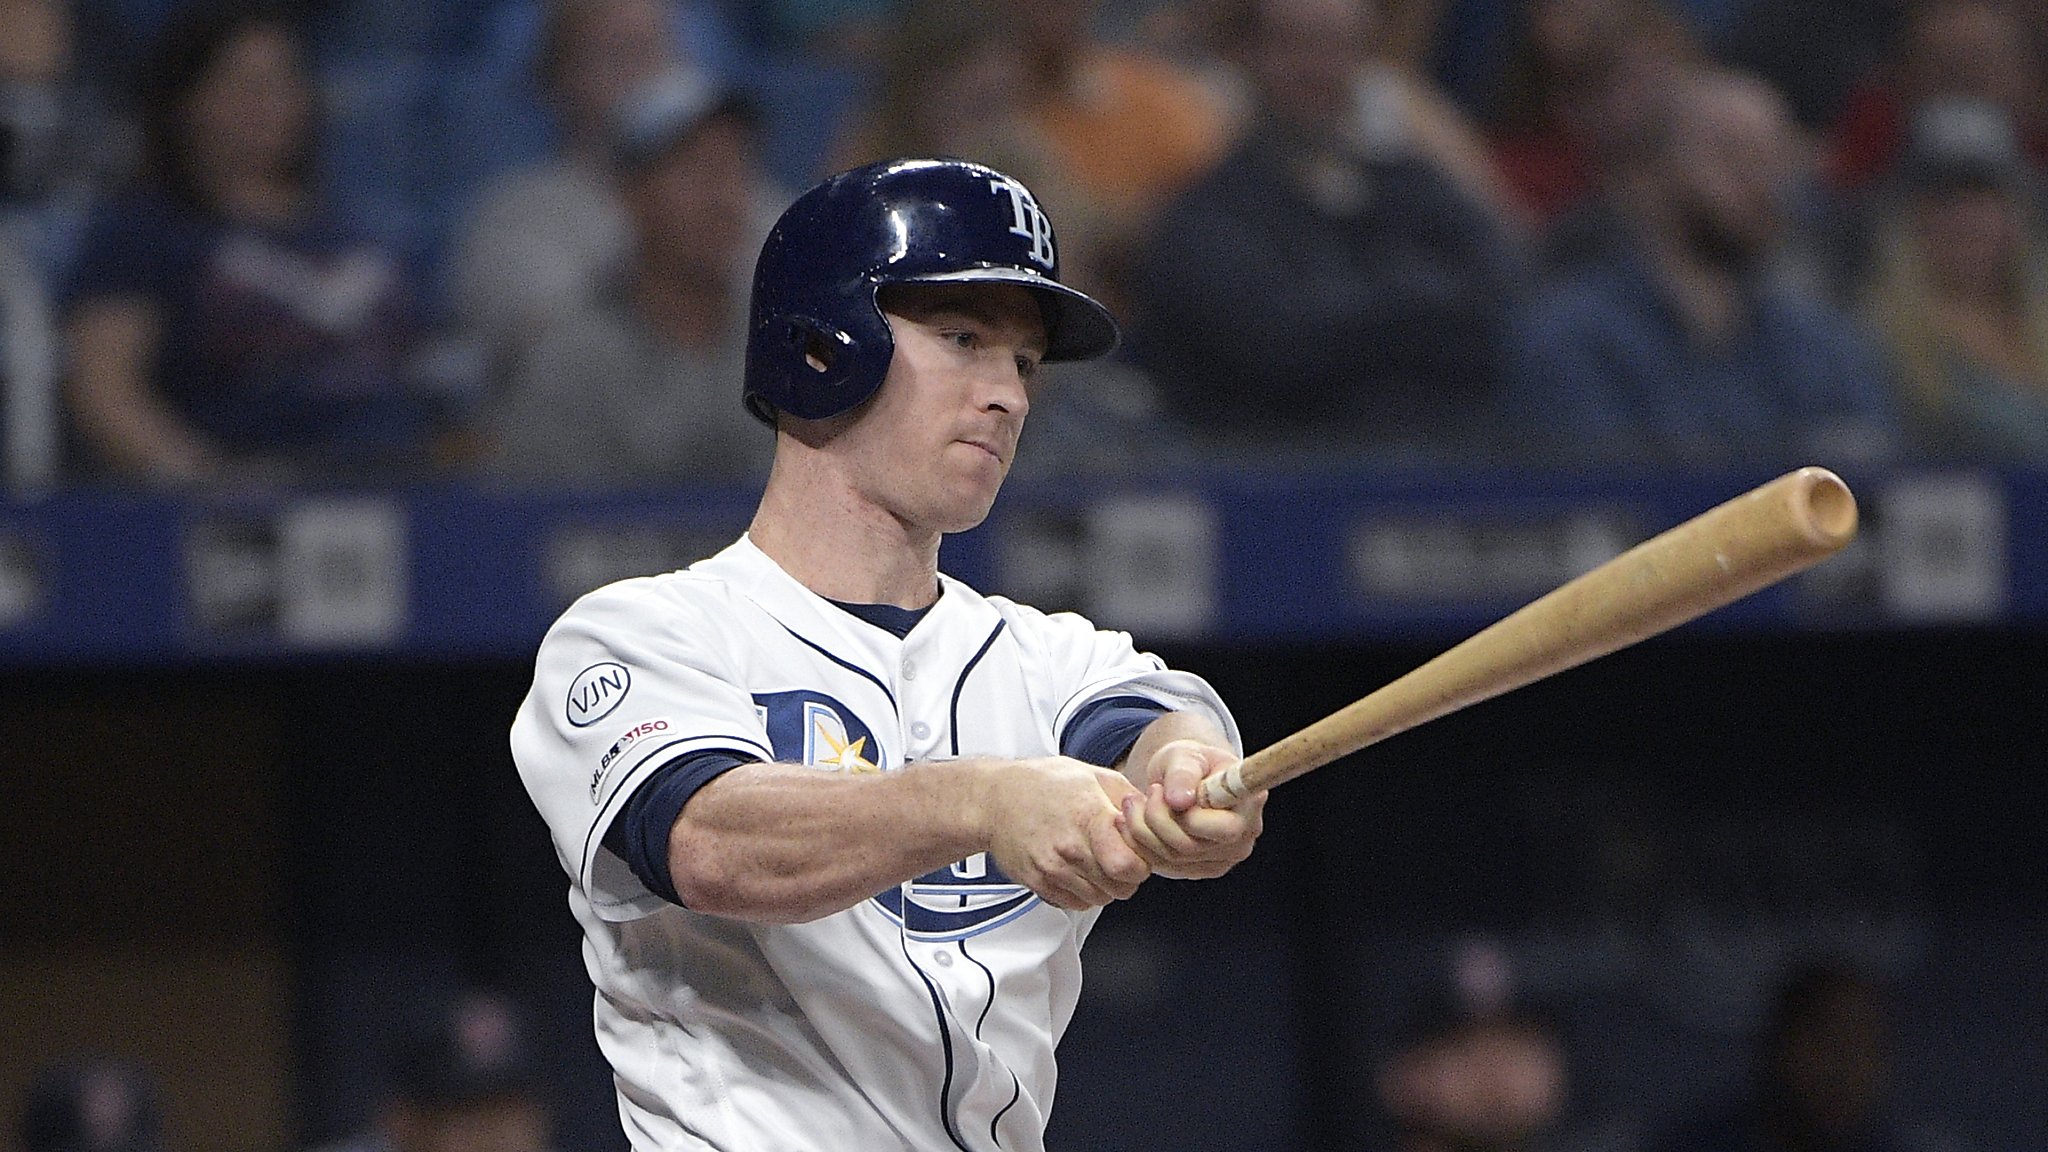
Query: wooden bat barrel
{"points": [[1713, 559]]}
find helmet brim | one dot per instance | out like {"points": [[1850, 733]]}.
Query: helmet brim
{"points": [[1077, 327]]}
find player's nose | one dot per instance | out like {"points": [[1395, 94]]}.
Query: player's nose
{"points": [[1005, 388]]}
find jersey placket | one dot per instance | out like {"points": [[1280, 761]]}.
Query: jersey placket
{"points": [[931, 671]]}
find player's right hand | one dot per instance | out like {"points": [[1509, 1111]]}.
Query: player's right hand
{"points": [[1054, 826]]}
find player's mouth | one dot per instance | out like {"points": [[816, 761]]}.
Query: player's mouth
{"points": [[987, 446]]}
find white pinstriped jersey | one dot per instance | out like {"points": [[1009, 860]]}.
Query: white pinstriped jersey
{"points": [[923, 1018]]}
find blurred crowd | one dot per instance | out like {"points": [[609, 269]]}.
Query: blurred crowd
{"points": [[459, 1075], [1474, 1063], [378, 240]]}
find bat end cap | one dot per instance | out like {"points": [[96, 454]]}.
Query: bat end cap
{"points": [[1825, 506]]}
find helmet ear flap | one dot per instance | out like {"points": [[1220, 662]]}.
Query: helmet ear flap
{"points": [[819, 345], [822, 364]]}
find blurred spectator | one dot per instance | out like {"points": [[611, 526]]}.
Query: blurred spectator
{"points": [[1961, 287], [1122, 129], [1814, 52], [1575, 95], [838, 31], [1409, 31], [29, 436], [221, 324], [959, 78], [1977, 49], [93, 1106], [462, 1082], [1396, 109], [1473, 1070], [1307, 296], [544, 236], [1822, 1078], [950, 84], [639, 382], [59, 142], [1679, 346], [1130, 127]]}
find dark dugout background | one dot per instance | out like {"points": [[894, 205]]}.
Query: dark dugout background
{"points": [[292, 857]]}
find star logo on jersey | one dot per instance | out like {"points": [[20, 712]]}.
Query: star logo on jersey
{"points": [[845, 754], [812, 728]]}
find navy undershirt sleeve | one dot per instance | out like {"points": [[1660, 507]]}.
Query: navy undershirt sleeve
{"points": [[1104, 730], [639, 833]]}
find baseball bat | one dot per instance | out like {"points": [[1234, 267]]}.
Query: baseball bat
{"points": [[1715, 558]]}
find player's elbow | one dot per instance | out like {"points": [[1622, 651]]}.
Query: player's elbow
{"points": [[706, 877], [709, 876]]}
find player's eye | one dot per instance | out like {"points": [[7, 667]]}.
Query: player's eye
{"points": [[959, 337], [1027, 367]]}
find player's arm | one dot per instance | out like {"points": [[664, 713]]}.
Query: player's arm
{"points": [[782, 843], [1163, 816]]}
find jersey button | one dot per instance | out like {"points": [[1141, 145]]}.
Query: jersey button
{"points": [[920, 730], [943, 958], [909, 670]]}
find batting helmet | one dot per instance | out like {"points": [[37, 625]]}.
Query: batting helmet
{"points": [[818, 344]]}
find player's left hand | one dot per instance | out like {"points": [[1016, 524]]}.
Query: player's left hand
{"points": [[1170, 828]]}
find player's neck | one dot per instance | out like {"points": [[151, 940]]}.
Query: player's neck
{"points": [[841, 547]]}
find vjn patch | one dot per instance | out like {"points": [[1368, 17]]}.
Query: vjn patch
{"points": [[595, 692]]}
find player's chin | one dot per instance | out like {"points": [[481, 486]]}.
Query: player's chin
{"points": [[960, 516], [968, 496]]}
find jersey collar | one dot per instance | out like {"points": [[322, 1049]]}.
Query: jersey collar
{"points": [[756, 575]]}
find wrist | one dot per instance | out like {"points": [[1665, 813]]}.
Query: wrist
{"points": [[968, 793]]}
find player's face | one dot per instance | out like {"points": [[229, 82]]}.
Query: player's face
{"points": [[935, 443]]}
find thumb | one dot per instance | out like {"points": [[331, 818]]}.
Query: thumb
{"points": [[1185, 765]]}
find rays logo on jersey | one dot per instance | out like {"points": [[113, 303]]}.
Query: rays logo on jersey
{"points": [[813, 728], [952, 903], [958, 901]]}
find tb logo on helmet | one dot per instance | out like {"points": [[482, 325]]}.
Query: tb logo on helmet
{"points": [[1032, 223]]}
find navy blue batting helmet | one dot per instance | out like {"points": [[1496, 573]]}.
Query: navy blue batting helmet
{"points": [[818, 344]]}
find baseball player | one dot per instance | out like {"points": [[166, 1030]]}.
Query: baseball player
{"points": [[836, 824]]}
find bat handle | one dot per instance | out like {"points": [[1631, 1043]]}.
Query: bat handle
{"points": [[1226, 788]]}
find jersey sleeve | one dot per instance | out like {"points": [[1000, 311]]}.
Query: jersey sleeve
{"points": [[1106, 728], [628, 680], [1090, 664]]}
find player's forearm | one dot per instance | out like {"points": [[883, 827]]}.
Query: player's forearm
{"points": [[784, 844]]}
